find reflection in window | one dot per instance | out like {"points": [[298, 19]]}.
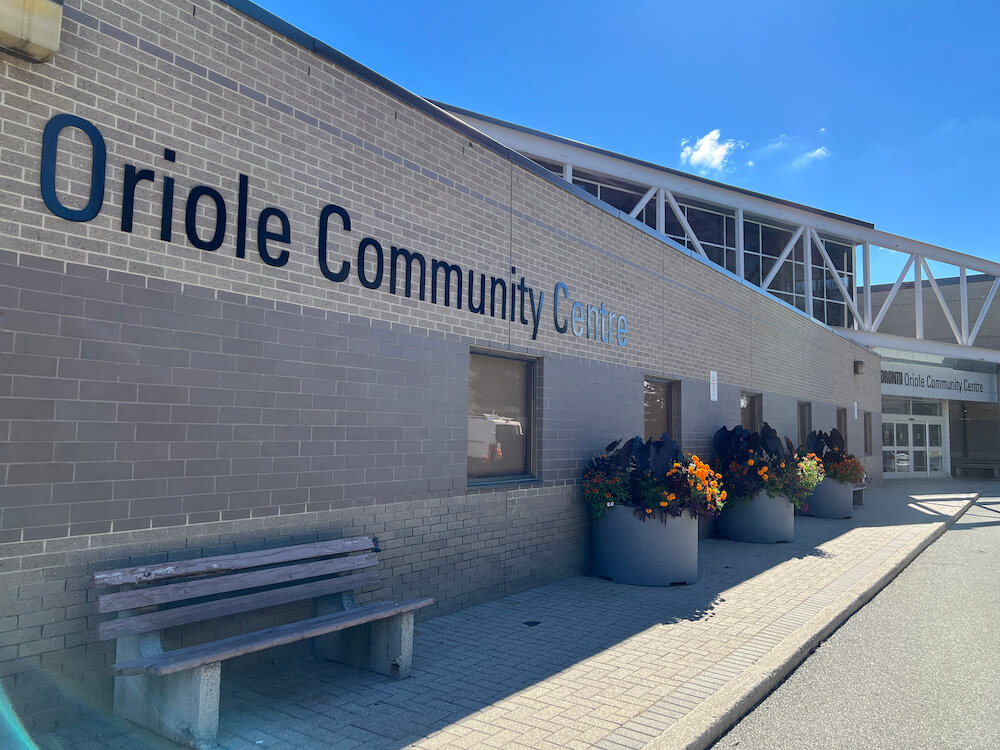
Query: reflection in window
{"points": [[805, 421], [973, 430], [751, 411], [662, 405], [501, 393]]}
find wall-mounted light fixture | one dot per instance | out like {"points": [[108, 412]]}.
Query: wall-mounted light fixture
{"points": [[859, 367]]}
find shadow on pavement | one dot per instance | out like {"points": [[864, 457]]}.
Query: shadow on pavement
{"points": [[470, 660]]}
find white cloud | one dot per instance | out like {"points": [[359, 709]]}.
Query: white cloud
{"points": [[776, 144], [822, 130], [818, 155], [709, 153], [750, 163]]}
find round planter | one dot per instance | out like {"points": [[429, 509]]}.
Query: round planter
{"points": [[762, 519], [645, 553], [831, 499]]}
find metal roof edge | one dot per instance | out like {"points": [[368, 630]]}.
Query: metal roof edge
{"points": [[650, 165]]}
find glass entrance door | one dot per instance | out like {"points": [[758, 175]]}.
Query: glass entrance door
{"points": [[912, 446]]}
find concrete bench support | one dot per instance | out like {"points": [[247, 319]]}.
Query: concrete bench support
{"points": [[384, 646], [183, 706]]}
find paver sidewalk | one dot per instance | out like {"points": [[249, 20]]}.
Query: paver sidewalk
{"points": [[587, 663]]}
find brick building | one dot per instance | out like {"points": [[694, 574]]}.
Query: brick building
{"points": [[254, 293]]}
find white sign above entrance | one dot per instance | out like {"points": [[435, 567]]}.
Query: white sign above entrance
{"points": [[922, 380]]}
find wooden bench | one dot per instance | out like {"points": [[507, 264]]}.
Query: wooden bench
{"points": [[176, 692]]}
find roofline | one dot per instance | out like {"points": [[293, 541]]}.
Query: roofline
{"points": [[650, 165]]}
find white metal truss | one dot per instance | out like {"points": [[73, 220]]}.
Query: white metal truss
{"points": [[663, 186]]}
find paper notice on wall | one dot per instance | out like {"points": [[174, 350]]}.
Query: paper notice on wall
{"points": [[713, 385]]}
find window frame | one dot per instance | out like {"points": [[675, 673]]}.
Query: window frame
{"points": [[804, 408], [674, 390], [531, 419], [755, 402]]}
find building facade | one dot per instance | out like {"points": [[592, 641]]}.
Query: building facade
{"points": [[939, 411], [254, 293]]}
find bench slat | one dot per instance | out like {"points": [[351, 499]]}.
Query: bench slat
{"points": [[174, 592], [145, 623], [248, 643], [225, 563]]}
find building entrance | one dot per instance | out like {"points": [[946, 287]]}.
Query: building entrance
{"points": [[914, 438]]}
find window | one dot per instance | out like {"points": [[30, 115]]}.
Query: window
{"points": [[842, 425], [974, 430], [868, 433], [501, 401], [805, 421], [662, 409], [752, 411]]}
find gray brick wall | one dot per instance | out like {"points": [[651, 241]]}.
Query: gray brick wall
{"points": [[158, 400]]}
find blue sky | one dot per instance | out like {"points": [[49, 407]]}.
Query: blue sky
{"points": [[886, 112]]}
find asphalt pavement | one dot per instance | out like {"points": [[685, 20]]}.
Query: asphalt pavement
{"points": [[917, 667]]}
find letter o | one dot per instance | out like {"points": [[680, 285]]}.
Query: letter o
{"points": [[191, 218], [98, 166]]}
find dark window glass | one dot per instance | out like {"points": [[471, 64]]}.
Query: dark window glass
{"points": [[797, 250], [590, 187], [842, 425], [751, 237], [835, 314], [868, 433], [805, 421], [895, 405], [673, 225], [500, 407], [730, 231], [838, 254], [766, 264], [751, 268], [620, 199], [752, 411], [714, 253], [649, 214], [783, 279], [662, 409], [974, 430], [773, 241], [707, 227]]}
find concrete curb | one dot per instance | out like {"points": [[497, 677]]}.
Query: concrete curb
{"points": [[713, 717]]}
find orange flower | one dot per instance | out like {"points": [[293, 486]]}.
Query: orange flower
{"points": [[664, 503], [749, 462], [648, 511], [671, 496]]}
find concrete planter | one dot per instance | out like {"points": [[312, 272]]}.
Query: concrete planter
{"points": [[645, 553], [831, 499], [762, 519]]}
